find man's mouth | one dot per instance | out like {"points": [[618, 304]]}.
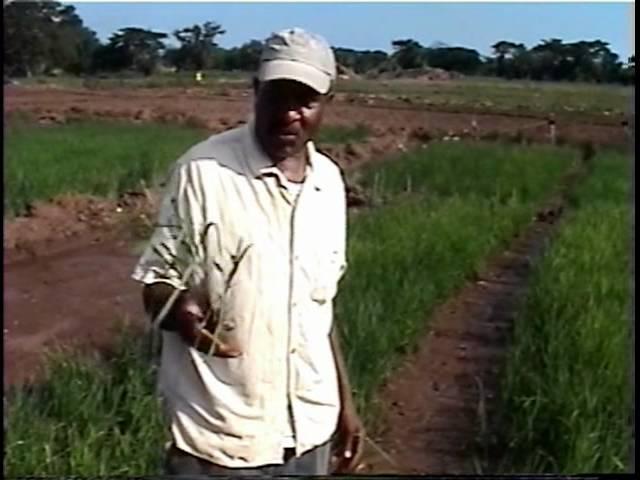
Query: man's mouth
{"points": [[286, 136]]}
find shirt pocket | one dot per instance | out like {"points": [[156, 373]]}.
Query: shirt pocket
{"points": [[324, 283], [239, 372], [234, 383]]}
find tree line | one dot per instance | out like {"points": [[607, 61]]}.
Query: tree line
{"points": [[44, 37]]}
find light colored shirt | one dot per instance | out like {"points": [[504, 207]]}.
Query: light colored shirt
{"points": [[295, 188], [271, 265]]}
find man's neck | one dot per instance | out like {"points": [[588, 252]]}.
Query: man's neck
{"points": [[294, 167]]}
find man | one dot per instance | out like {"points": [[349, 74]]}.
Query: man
{"points": [[240, 275]]}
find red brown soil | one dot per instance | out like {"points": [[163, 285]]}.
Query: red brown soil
{"points": [[74, 297], [218, 112], [50, 226]]}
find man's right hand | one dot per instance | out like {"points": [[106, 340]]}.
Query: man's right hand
{"points": [[190, 315], [185, 317]]}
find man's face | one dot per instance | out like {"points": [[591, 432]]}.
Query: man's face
{"points": [[287, 115]]}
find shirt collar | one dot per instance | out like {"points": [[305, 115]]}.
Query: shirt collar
{"points": [[260, 164]]}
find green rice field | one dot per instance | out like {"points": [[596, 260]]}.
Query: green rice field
{"points": [[439, 213]]}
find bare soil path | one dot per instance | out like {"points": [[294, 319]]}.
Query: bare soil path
{"points": [[76, 296]]}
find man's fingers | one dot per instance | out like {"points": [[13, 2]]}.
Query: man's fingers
{"points": [[226, 351], [355, 444], [206, 343], [355, 452], [351, 453]]}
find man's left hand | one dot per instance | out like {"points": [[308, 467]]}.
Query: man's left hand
{"points": [[349, 441]]}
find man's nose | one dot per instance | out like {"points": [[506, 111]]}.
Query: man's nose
{"points": [[289, 109], [291, 114]]}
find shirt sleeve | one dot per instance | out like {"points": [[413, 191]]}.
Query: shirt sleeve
{"points": [[174, 254]]}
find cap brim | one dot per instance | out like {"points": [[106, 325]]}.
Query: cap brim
{"points": [[300, 72]]}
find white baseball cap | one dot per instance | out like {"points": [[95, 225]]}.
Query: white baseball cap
{"points": [[295, 54]]}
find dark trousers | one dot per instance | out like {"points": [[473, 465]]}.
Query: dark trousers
{"points": [[185, 465]]}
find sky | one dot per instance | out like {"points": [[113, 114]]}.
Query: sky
{"points": [[373, 26]]}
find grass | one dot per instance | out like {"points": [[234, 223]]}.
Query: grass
{"points": [[332, 134], [102, 158], [98, 158], [484, 169], [214, 81], [90, 419], [567, 385], [405, 257], [466, 201]]}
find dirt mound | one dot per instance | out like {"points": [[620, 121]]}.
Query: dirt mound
{"points": [[50, 225]]}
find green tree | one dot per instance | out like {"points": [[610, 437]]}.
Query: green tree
{"points": [[131, 48], [457, 59], [408, 54], [609, 65], [583, 60], [579, 54], [72, 45], [369, 60], [346, 57], [197, 46], [509, 59], [360, 61], [42, 36], [547, 59], [247, 57]]}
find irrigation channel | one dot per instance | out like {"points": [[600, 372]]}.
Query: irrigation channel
{"points": [[442, 404]]}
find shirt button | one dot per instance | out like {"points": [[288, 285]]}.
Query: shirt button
{"points": [[293, 350]]}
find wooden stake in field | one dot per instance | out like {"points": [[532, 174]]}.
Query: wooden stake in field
{"points": [[552, 130], [627, 128], [474, 128]]}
